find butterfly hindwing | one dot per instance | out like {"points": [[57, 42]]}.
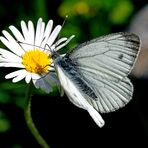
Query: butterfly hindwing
{"points": [[110, 95]]}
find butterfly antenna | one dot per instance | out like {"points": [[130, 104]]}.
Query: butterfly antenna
{"points": [[48, 48], [19, 42], [66, 17]]}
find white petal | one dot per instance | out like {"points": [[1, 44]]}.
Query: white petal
{"points": [[9, 56], [51, 68], [18, 65], [19, 77], [54, 35], [60, 41], [47, 33], [28, 77], [31, 33], [48, 28], [24, 30], [3, 60], [64, 44], [38, 29], [6, 60], [42, 34], [35, 76], [17, 34], [54, 46], [16, 73], [39, 32], [11, 43]]}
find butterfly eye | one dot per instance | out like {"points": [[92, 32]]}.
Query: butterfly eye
{"points": [[54, 55]]}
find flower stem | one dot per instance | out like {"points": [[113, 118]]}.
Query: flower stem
{"points": [[29, 121]]}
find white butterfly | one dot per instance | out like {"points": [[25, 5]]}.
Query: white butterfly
{"points": [[94, 74]]}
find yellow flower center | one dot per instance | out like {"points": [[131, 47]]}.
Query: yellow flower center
{"points": [[36, 61]]}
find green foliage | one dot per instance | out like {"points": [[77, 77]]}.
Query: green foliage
{"points": [[89, 19], [12, 93], [40, 9], [121, 12], [4, 123]]}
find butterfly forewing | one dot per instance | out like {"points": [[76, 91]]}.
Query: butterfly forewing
{"points": [[111, 57]]}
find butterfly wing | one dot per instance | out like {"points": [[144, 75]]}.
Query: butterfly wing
{"points": [[110, 95], [104, 64], [111, 57]]}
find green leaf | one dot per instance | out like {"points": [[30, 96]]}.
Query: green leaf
{"points": [[4, 123], [121, 12], [4, 97]]}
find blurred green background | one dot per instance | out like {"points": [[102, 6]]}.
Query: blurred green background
{"points": [[54, 115]]}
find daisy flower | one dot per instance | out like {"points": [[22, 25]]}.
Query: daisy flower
{"points": [[29, 53]]}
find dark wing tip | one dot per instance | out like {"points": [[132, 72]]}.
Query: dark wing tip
{"points": [[133, 38]]}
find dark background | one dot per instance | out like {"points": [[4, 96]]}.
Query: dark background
{"points": [[62, 124]]}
